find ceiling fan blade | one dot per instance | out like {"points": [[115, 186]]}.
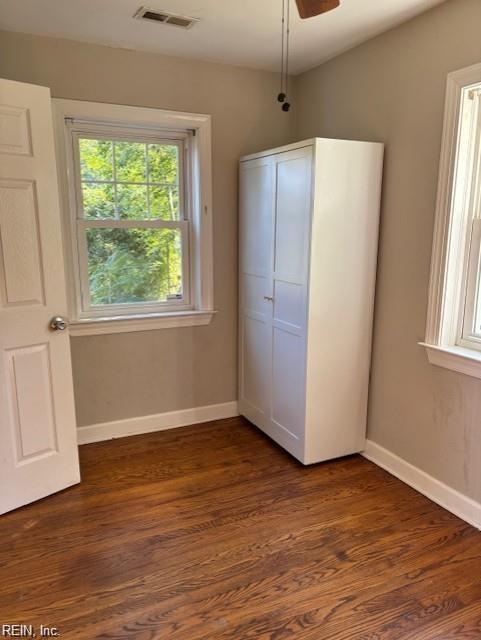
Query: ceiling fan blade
{"points": [[311, 8]]}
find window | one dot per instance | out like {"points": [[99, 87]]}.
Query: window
{"points": [[469, 179], [132, 221], [137, 203], [453, 336]]}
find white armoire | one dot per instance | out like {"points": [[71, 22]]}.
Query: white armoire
{"points": [[309, 218]]}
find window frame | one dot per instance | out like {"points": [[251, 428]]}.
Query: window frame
{"points": [[455, 253], [193, 131], [466, 335], [80, 253]]}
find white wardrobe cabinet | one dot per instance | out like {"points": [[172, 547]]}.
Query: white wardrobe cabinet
{"points": [[309, 216]]}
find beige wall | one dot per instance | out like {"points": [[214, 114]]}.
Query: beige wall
{"points": [[392, 89], [127, 375]]}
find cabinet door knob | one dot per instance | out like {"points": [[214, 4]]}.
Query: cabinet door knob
{"points": [[268, 298]]}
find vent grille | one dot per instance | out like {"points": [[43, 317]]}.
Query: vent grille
{"points": [[171, 19]]}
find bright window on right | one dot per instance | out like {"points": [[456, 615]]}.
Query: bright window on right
{"points": [[467, 187], [453, 330]]}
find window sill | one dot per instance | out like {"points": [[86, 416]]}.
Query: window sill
{"points": [[129, 324], [460, 359]]}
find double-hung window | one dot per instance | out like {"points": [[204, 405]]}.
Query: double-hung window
{"points": [[132, 222], [470, 183], [453, 335], [139, 219]]}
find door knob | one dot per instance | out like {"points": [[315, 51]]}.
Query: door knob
{"points": [[269, 298], [58, 324]]}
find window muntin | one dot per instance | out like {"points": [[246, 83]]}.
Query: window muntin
{"points": [[132, 221]]}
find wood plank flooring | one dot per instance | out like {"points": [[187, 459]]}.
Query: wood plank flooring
{"points": [[211, 532]]}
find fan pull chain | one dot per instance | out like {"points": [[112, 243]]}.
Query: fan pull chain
{"points": [[282, 97]]}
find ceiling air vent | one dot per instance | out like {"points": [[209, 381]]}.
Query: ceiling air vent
{"points": [[166, 18]]}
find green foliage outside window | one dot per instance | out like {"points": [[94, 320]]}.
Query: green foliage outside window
{"points": [[131, 181]]}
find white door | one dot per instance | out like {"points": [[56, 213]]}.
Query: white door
{"points": [[38, 447], [257, 202], [289, 293]]}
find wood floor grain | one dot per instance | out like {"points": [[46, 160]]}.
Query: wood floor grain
{"points": [[211, 532]]}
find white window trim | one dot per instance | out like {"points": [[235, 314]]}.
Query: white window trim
{"points": [[84, 308], [201, 275], [449, 252]]}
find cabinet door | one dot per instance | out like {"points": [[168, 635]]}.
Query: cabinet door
{"points": [[289, 293], [255, 283]]}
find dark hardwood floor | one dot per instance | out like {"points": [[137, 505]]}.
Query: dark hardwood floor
{"points": [[212, 532]]}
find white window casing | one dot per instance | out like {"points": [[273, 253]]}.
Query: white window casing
{"points": [[452, 340], [192, 134]]}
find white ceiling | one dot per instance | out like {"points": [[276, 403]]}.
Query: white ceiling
{"points": [[239, 32]]}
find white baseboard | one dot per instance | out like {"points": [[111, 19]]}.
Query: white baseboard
{"points": [[158, 422], [455, 502]]}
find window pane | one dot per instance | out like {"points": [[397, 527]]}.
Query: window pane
{"points": [[476, 329], [130, 161], [132, 202], [96, 159], [164, 203], [163, 163], [134, 265], [98, 201]]}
